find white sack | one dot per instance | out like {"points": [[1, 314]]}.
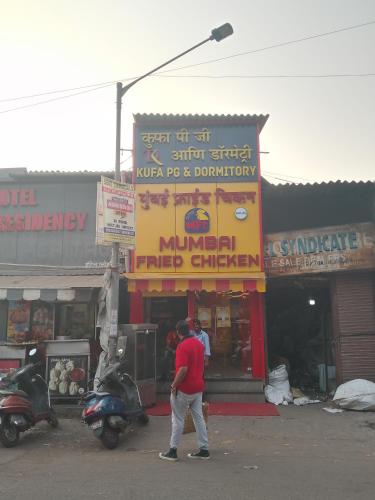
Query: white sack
{"points": [[278, 389], [357, 394]]}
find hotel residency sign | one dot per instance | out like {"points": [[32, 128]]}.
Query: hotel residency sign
{"points": [[320, 250], [197, 198]]}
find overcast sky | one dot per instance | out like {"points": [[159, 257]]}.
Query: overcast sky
{"points": [[320, 128]]}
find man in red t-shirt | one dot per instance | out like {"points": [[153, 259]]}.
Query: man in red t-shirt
{"points": [[186, 391]]}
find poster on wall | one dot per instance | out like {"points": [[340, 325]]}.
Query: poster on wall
{"points": [[204, 316], [67, 376], [223, 317], [42, 319], [8, 365], [18, 328], [115, 219]]}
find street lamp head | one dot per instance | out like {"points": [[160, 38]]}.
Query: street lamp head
{"points": [[221, 32]]}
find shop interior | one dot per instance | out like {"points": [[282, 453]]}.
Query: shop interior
{"points": [[299, 332], [225, 317], [64, 335]]}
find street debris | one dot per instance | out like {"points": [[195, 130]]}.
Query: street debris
{"points": [[305, 401], [251, 467], [297, 393], [358, 394], [333, 410]]}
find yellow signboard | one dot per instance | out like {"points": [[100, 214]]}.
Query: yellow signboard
{"points": [[198, 228]]}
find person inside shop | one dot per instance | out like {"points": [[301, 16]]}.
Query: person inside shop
{"points": [[186, 392], [171, 342], [203, 337]]}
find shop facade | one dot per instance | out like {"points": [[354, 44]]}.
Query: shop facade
{"points": [[321, 282], [199, 249], [50, 273]]}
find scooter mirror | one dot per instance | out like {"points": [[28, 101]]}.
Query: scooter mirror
{"points": [[32, 352]]}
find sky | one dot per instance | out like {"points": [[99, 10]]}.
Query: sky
{"points": [[320, 129]]}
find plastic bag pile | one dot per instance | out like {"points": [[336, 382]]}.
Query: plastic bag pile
{"points": [[278, 390], [357, 394]]}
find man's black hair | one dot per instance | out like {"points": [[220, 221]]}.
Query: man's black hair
{"points": [[197, 322], [182, 328]]}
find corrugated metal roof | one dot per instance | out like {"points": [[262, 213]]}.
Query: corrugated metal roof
{"points": [[7, 269], [305, 206], [315, 185], [23, 173], [73, 172], [51, 282], [169, 119]]}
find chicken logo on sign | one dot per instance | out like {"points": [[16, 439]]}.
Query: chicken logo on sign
{"points": [[197, 220]]}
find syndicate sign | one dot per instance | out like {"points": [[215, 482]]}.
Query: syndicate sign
{"points": [[115, 221], [320, 250]]}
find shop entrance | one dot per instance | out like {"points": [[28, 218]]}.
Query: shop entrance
{"points": [[224, 316], [299, 333], [226, 319], [165, 312]]}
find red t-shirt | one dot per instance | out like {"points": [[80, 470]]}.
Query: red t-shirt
{"points": [[190, 353]]}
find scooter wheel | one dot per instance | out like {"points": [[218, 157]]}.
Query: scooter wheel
{"points": [[53, 420], [143, 419], [109, 438], [9, 435]]}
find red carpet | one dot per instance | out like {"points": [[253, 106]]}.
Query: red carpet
{"points": [[233, 409]]}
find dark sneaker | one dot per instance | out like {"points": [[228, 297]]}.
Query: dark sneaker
{"points": [[202, 454], [170, 455]]}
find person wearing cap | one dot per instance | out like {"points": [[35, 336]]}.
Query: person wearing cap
{"points": [[186, 392]]}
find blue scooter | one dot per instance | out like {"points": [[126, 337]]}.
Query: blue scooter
{"points": [[109, 412]]}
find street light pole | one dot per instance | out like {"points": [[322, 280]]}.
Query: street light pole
{"points": [[217, 34]]}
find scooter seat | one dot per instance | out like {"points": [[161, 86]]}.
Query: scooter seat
{"points": [[22, 394]]}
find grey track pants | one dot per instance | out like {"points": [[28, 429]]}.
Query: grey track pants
{"points": [[180, 405]]}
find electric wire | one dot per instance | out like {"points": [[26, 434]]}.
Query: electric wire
{"points": [[53, 99], [282, 179], [276, 45], [268, 172], [126, 159], [339, 75], [104, 84], [41, 94]]}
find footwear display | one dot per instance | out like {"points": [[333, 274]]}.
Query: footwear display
{"points": [[202, 454], [169, 455]]}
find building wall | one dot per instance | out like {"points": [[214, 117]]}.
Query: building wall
{"points": [[353, 301]]}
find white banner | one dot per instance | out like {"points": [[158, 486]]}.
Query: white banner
{"points": [[115, 214]]}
